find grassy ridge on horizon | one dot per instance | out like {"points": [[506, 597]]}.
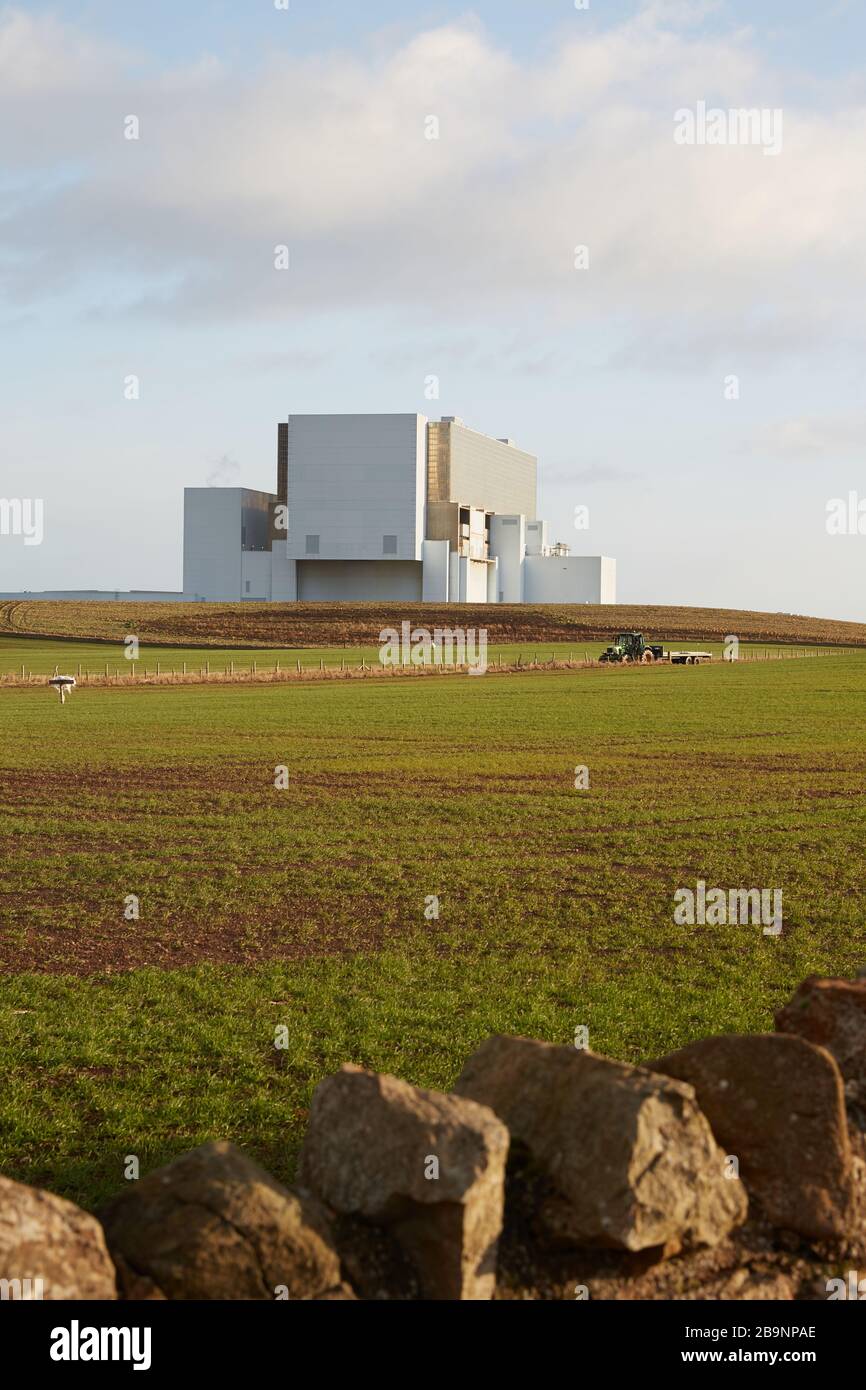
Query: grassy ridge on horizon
{"points": [[305, 907], [276, 625]]}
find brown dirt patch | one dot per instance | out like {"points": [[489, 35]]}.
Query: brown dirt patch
{"points": [[356, 624]]}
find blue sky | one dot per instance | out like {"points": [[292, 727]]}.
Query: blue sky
{"points": [[452, 257], [824, 39]]}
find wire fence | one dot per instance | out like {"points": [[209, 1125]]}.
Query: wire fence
{"points": [[207, 672]]}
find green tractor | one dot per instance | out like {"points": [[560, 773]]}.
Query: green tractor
{"points": [[630, 646]]}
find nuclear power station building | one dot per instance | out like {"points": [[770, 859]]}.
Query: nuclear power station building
{"points": [[385, 507]]}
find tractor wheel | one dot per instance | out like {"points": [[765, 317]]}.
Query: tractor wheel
{"points": [[648, 658]]}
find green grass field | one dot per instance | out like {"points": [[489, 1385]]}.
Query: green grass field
{"points": [[42, 656], [305, 907]]}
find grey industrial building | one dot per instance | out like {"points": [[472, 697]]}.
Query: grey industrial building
{"points": [[386, 507]]}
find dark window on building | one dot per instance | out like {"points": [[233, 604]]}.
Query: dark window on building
{"points": [[246, 586], [389, 545], [312, 545]]}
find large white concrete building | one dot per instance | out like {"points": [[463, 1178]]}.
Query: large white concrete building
{"points": [[385, 507]]}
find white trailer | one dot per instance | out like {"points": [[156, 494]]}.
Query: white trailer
{"points": [[689, 658]]}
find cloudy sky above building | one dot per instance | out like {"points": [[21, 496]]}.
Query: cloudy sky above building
{"points": [[694, 376]]}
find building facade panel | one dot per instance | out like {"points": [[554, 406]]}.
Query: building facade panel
{"points": [[356, 487], [256, 516], [436, 572], [256, 572], [359, 581], [508, 544], [608, 580], [488, 473], [565, 579], [212, 545]]}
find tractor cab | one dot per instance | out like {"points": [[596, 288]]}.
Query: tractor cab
{"points": [[627, 646], [630, 646]]}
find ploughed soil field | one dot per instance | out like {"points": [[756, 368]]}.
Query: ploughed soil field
{"points": [[392, 871], [271, 625]]}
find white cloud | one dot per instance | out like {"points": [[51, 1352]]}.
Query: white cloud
{"points": [[328, 155], [42, 56], [829, 438]]}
